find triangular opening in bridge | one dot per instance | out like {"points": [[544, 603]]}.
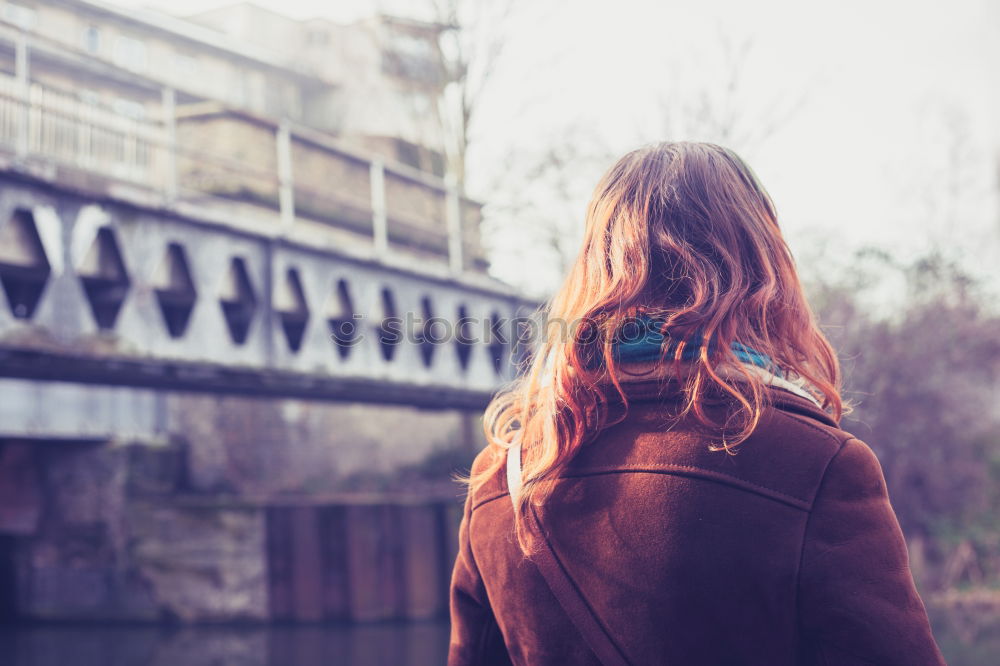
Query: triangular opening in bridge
{"points": [[427, 331], [105, 280], [290, 304], [389, 328], [24, 268], [175, 290], [238, 300], [464, 337], [339, 313], [497, 345]]}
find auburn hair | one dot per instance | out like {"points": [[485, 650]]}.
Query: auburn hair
{"points": [[684, 232]]}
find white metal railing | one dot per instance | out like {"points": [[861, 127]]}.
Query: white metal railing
{"points": [[42, 122]]}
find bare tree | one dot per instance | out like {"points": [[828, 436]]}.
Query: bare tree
{"points": [[538, 199], [538, 204], [471, 45], [718, 106]]}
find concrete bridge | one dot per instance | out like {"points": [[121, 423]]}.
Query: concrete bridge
{"points": [[223, 402]]}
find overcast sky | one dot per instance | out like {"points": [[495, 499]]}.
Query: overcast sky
{"points": [[897, 103]]}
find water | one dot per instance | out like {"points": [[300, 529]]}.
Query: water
{"points": [[411, 644]]}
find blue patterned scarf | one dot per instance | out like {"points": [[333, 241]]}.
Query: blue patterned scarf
{"points": [[641, 341]]}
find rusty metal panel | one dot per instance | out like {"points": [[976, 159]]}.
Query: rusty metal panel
{"points": [[279, 563], [374, 554], [307, 565], [333, 546], [422, 573]]}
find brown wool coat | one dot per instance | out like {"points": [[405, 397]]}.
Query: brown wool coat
{"points": [[786, 553]]}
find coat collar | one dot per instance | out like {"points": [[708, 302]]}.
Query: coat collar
{"points": [[654, 381]]}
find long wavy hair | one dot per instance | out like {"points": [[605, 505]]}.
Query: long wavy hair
{"points": [[686, 233]]}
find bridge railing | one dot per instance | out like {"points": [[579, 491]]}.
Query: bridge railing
{"points": [[37, 121], [207, 153]]}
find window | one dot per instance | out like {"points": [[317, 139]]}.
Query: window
{"points": [[91, 39], [130, 53]]}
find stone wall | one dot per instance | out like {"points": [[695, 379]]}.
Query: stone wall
{"points": [[223, 156], [267, 447], [248, 509]]}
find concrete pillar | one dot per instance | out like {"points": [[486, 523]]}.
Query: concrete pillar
{"points": [[286, 187], [380, 220], [453, 215]]}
